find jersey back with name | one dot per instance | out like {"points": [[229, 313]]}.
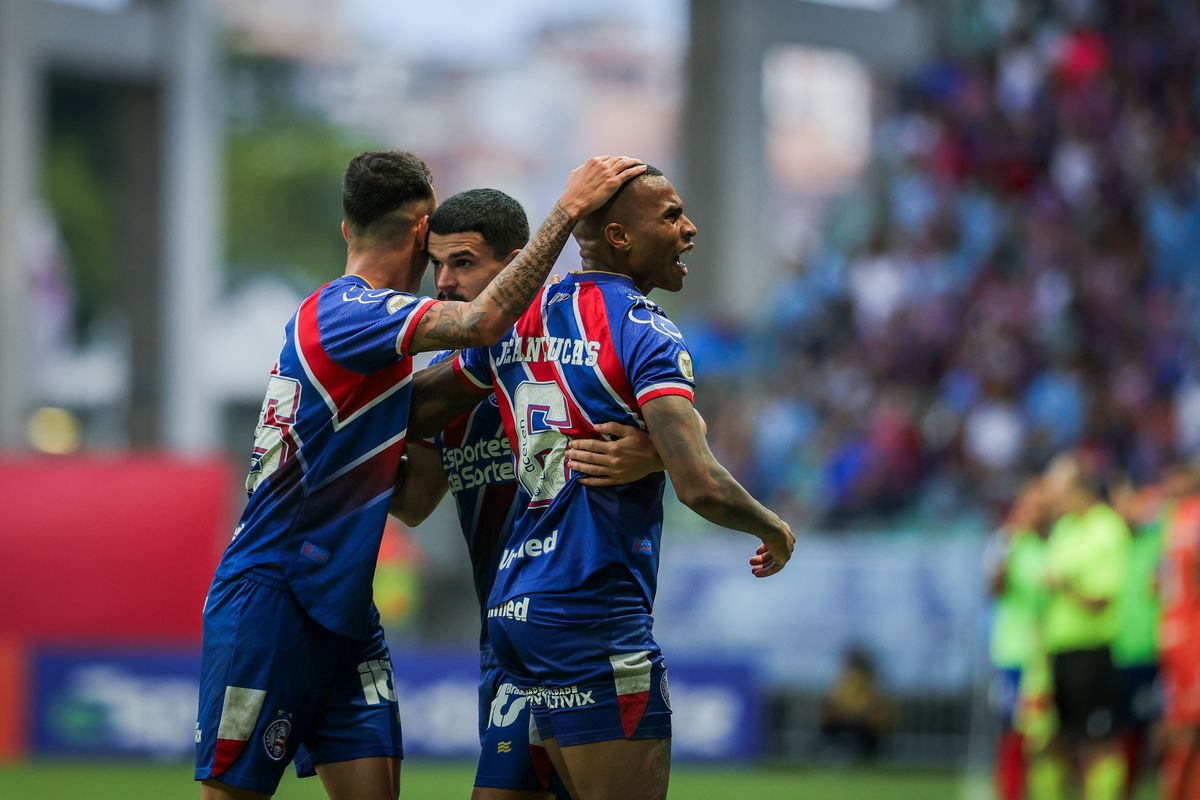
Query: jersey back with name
{"points": [[326, 450], [590, 349]]}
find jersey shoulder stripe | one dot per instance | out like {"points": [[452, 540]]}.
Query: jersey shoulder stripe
{"points": [[348, 394]]}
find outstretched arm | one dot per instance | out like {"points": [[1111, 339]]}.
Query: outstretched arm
{"points": [[706, 487], [485, 319]]}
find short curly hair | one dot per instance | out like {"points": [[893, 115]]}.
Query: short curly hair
{"points": [[491, 213], [379, 183]]}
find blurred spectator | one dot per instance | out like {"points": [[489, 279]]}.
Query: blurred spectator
{"points": [[855, 714], [1022, 267]]}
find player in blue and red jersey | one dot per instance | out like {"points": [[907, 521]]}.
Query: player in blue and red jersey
{"points": [[293, 651], [569, 614], [472, 236]]}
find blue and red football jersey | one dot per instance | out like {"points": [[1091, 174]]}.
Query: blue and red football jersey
{"points": [[590, 349], [329, 440], [478, 461]]}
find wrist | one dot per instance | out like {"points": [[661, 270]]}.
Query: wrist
{"points": [[776, 534], [572, 207]]}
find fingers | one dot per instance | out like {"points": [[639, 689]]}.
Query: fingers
{"points": [[589, 467], [767, 572], [764, 563], [616, 429], [629, 172], [590, 446]]}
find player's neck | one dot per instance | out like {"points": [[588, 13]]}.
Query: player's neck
{"points": [[386, 269], [598, 265]]}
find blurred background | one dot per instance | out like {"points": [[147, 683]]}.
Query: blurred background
{"points": [[941, 242]]}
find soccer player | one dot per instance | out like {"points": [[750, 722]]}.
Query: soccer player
{"points": [[1136, 646], [1180, 644], [1086, 563], [472, 236], [1015, 573], [293, 650], [570, 611]]}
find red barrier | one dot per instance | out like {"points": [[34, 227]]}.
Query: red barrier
{"points": [[109, 550], [14, 697]]}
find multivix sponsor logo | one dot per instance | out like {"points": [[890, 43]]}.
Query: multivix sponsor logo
{"points": [[560, 697], [532, 548]]}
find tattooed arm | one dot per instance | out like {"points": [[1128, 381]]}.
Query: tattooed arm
{"points": [[489, 316], [707, 488]]}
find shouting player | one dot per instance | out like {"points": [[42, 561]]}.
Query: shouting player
{"points": [[293, 650], [472, 236], [569, 614]]}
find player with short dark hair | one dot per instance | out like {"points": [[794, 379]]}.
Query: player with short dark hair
{"points": [[472, 235], [570, 611], [294, 654], [498, 218]]}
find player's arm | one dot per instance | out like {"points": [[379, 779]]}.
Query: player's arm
{"points": [[482, 321], [439, 396], [420, 486], [627, 456], [706, 487]]}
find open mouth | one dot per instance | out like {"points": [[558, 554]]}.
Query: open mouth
{"points": [[682, 267]]}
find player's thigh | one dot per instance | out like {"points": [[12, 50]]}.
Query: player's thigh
{"points": [[630, 769], [376, 778], [358, 722], [1087, 695], [215, 790], [492, 793], [261, 677]]}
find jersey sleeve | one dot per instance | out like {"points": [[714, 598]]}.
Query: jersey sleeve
{"points": [[365, 330], [656, 357], [473, 367]]}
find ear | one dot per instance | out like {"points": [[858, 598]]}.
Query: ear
{"points": [[345, 232], [616, 237], [508, 258], [423, 232]]}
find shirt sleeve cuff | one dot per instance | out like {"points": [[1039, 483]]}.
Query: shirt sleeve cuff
{"points": [[654, 390]]}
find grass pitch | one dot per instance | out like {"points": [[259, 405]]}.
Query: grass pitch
{"points": [[50, 780], [69, 780]]}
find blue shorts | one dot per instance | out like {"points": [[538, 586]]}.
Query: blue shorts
{"points": [[587, 662], [274, 686], [512, 754], [1141, 696], [1005, 693]]}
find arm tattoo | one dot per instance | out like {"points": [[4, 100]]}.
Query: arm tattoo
{"points": [[514, 288], [455, 325]]}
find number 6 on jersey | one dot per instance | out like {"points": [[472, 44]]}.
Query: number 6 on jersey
{"points": [[541, 416]]}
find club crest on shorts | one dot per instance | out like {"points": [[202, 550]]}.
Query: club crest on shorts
{"points": [[663, 690], [275, 738]]}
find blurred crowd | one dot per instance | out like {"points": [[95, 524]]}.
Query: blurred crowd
{"points": [[1018, 274], [1095, 634]]}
